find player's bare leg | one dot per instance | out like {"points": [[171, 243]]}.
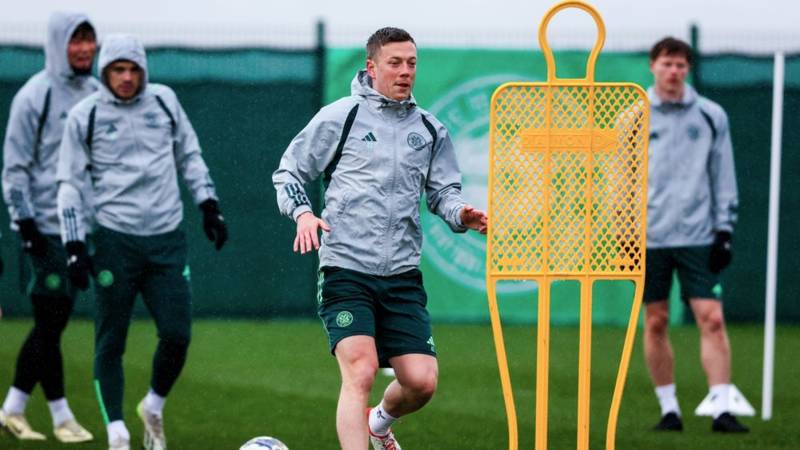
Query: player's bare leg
{"points": [[715, 350], [660, 362], [358, 364], [417, 375], [657, 348], [715, 354], [414, 386]]}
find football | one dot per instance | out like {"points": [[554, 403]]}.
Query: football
{"points": [[264, 443]]}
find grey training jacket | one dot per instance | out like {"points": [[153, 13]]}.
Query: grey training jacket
{"points": [[36, 125], [692, 182], [130, 153], [390, 153]]}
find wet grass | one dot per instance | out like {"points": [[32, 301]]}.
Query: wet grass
{"points": [[246, 379]]}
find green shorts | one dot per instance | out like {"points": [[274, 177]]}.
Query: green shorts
{"points": [[695, 277], [391, 309], [50, 271]]}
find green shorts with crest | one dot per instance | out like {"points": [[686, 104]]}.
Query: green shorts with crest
{"points": [[392, 309], [50, 271], [695, 277]]}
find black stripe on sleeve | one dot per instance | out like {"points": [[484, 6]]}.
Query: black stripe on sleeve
{"points": [[90, 129], [71, 224], [163, 106], [710, 123], [348, 124], [42, 121], [297, 195], [18, 202], [431, 130]]}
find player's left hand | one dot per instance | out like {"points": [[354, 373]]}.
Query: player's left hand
{"points": [[214, 223], [721, 254], [474, 219], [79, 265]]}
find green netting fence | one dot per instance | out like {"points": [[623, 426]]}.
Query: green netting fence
{"points": [[743, 86], [246, 105], [456, 86]]}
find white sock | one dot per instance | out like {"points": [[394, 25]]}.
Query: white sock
{"points": [[154, 403], [15, 402], [667, 399], [380, 420], [117, 431], [59, 411], [720, 394]]}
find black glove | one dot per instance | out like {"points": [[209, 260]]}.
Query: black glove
{"points": [[214, 223], [79, 265], [721, 254], [33, 241], [1, 265]]}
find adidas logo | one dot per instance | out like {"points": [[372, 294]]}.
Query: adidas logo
{"points": [[369, 137], [111, 128]]}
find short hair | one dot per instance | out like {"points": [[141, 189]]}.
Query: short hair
{"points": [[84, 32], [384, 36], [671, 46]]}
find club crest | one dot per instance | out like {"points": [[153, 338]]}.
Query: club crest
{"points": [[416, 141]]}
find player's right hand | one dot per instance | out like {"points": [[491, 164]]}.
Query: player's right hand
{"points": [[79, 265], [307, 238], [213, 223], [33, 241]]}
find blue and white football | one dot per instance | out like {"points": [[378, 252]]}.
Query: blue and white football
{"points": [[264, 443]]}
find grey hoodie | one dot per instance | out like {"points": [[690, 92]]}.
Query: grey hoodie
{"points": [[29, 155], [394, 152], [130, 153], [692, 181]]}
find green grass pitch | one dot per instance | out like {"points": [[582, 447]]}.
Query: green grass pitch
{"points": [[245, 379]]}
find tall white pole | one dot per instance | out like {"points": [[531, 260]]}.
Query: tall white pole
{"points": [[772, 242]]}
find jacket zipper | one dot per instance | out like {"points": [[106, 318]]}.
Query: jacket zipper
{"points": [[388, 242], [131, 120]]}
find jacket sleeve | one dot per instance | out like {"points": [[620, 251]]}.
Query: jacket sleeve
{"points": [[73, 179], [443, 184], [304, 160], [189, 161], [18, 159], [722, 174]]}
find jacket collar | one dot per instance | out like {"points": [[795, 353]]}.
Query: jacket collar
{"points": [[689, 97], [361, 86], [106, 96]]}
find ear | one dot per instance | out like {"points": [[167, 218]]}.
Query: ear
{"points": [[371, 69]]}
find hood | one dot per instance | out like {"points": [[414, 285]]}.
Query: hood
{"points": [[689, 97], [59, 31], [362, 86], [122, 46]]}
